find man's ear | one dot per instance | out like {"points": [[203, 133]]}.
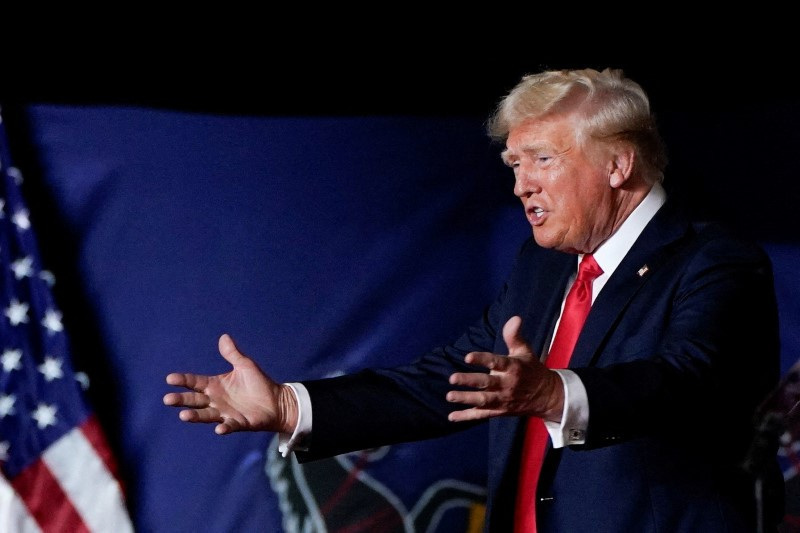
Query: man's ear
{"points": [[620, 167]]}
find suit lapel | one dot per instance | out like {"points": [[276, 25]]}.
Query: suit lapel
{"points": [[645, 257]]}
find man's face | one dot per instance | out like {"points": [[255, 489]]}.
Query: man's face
{"points": [[564, 187]]}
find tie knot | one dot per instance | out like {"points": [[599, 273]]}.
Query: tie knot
{"points": [[589, 270]]}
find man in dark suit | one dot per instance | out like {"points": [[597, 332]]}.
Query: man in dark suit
{"points": [[648, 414]]}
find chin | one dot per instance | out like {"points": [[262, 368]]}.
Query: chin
{"points": [[553, 244], [545, 241]]}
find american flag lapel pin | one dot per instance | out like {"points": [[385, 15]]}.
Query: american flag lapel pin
{"points": [[642, 271]]}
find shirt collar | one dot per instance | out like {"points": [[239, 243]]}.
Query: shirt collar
{"points": [[610, 254]]}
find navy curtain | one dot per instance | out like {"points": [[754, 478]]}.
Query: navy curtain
{"points": [[322, 245]]}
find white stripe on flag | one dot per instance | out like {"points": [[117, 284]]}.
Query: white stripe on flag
{"points": [[14, 515], [94, 492]]}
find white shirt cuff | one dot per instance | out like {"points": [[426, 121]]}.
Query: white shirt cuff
{"points": [[289, 443], [575, 419]]}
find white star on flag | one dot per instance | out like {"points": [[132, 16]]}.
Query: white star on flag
{"points": [[45, 415], [10, 360], [21, 219], [52, 321], [22, 267], [48, 277], [17, 312], [7, 404], [51, 368], [83, 379], [15, 173]]}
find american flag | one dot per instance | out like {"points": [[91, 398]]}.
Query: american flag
{"points": [[58, 472]]}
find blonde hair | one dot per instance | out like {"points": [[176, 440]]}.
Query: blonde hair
{"points": [[612, 108]]}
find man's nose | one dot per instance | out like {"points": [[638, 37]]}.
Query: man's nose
{"points": [[525, 184]]}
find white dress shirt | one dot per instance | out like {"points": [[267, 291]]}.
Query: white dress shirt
{"points": [[575, 419]]}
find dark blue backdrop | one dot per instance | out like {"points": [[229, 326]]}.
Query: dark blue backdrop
{"points": [[321, 244]]}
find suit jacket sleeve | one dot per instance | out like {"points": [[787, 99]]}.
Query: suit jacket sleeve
{"points": [[376, 407]]}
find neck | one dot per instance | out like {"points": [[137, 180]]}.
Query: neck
{"points": [[626, 201]]}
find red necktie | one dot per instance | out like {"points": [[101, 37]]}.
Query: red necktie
{"points": [[576, 307]]}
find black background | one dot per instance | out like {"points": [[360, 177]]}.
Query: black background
{"points": [[300, 60], [724, 89]]}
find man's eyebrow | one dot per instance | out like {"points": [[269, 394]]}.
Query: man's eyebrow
{"points": [[508, 154]]}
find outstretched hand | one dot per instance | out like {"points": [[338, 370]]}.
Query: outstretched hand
{"points": [[517, 384], [244, 399]]}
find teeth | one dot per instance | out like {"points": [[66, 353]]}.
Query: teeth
{"points": [[538, 210]]}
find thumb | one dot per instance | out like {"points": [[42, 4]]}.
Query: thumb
{"points": [[229, 351], [512, 334]]}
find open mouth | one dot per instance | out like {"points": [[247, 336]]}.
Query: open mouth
{"points": [[536, 215]]}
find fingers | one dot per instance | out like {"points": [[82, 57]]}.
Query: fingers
{"points": [[228, 425], [476, 380], [200, 415], [198, 382], [225, 425], [201, 408], [186, 399], [507, 386], [190, 381], [473, 414], [512, 335], [228, 350], [516, 343], [498, 365], [489, 360], [473, 398], [485, 405]]}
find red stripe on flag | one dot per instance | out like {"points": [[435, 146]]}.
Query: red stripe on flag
{"points": [[94, 434], [48, 503]]}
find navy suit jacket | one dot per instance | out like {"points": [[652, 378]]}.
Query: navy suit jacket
{"points": [[678, 350]]}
